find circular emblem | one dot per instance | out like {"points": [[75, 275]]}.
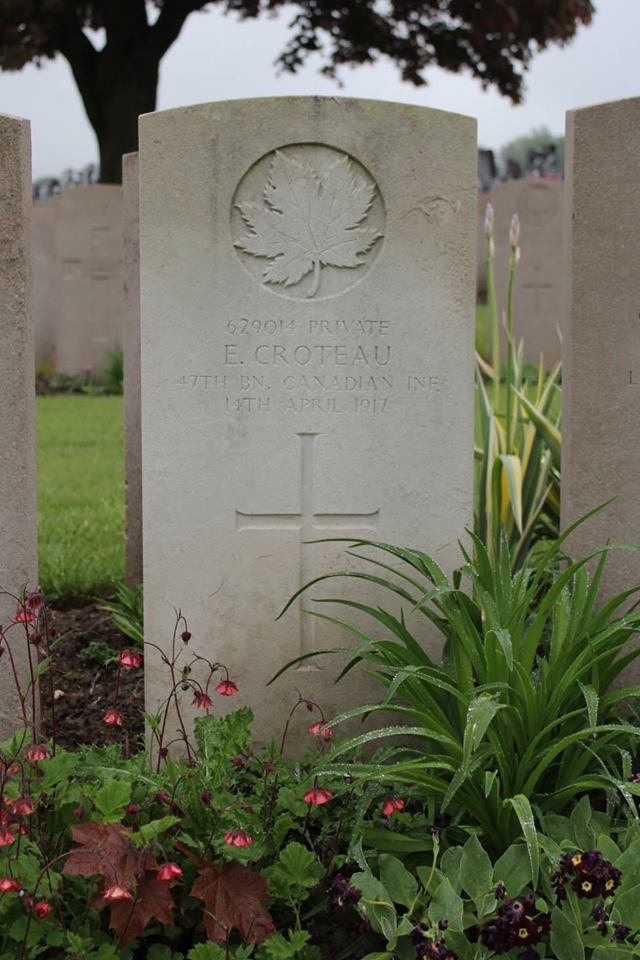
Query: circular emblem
{"points": [[307, 221]]}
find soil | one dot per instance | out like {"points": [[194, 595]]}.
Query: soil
{"points": [[83, 671]]}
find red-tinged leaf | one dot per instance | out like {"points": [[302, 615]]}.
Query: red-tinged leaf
{"points": [[105, 851], [152, 901], [233, 896]]}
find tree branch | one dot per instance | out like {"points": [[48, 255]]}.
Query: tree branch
{"points": [[76, 47], [169, 24]]}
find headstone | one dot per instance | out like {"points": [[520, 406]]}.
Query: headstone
{"points": [[538, 295], [18, 547], [601, 376], [307, 289], [45, 301], [131, 345], [89, 264], [487, 170]]}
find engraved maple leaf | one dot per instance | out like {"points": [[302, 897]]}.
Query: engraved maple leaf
{"points": [[307, 220]]}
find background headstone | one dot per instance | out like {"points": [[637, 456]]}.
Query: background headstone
{"points": [[18, 544], [538, 295], [45, 300], [601, 376], [307, 291], [131, 346], [89, 268]]}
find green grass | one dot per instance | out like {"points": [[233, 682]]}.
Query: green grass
{"points": [[80, 495]]}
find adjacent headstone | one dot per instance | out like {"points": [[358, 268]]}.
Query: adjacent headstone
{"points": [[89, 265], [18, 547], [601, 376], [45, 300], [131, 346], [539, 289], [307, 289]]}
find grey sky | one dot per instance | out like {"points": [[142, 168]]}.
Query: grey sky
{"points": [[218, 58]]}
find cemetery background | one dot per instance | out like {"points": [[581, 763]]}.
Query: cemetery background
{"points": [[87, 269]]}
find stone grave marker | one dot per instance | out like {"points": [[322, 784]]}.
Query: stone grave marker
{"points": [[539, 285], [18, 546], [601, 376], [307, 291], [131, 347], [45, 300], [89, 267]]}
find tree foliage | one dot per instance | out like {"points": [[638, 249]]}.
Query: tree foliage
{"points": [[494, 41]]}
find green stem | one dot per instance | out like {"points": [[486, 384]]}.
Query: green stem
{"points": [[510, 365], [492, 308]]}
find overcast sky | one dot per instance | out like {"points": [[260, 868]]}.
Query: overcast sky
{"points": [[218, 58]]}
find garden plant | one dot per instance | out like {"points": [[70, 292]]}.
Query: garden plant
{"points": [[517, 487]]}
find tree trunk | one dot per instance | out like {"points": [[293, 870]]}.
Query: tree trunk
{"points": [[125, 90], [116, 86], [120, 82]]}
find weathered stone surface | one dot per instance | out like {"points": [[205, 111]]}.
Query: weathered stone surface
{"points": [[45, 278], [601, 378], [538, 294], [131, 346], [89, 266], [18, 549], [307, 287]]}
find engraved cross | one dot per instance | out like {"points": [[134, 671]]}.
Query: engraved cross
{"points": [[309, 523]]}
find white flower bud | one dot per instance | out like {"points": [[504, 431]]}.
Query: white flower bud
{"points": [[514, 232], [488, 220]]}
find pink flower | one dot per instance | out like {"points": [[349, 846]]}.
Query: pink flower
{"points": [[169, 871], [38, 752], [117, 893], [24, 616], [130, 659], [317, 796], [238, 838], [6, 837], [113, 718], [9, 885], [24, 806], [319, 730], [201, 699], [391, 805], [162, 797], [42, 910], [227, 688]]}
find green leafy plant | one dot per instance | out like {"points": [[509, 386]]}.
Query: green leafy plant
{"points": [[219, 851], [113, 372], [127, 610], [462, 905], [521, 715], [517, 487]]}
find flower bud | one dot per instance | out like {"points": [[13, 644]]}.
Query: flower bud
{"points": [[514, 232], [488, 220]]}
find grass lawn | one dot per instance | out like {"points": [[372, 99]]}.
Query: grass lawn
{"points": [[80, 494]]}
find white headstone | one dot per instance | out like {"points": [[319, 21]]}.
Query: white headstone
{"points": [[18, 543], [307, 290], [89, 275], [131, 385], [601, 376]]}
